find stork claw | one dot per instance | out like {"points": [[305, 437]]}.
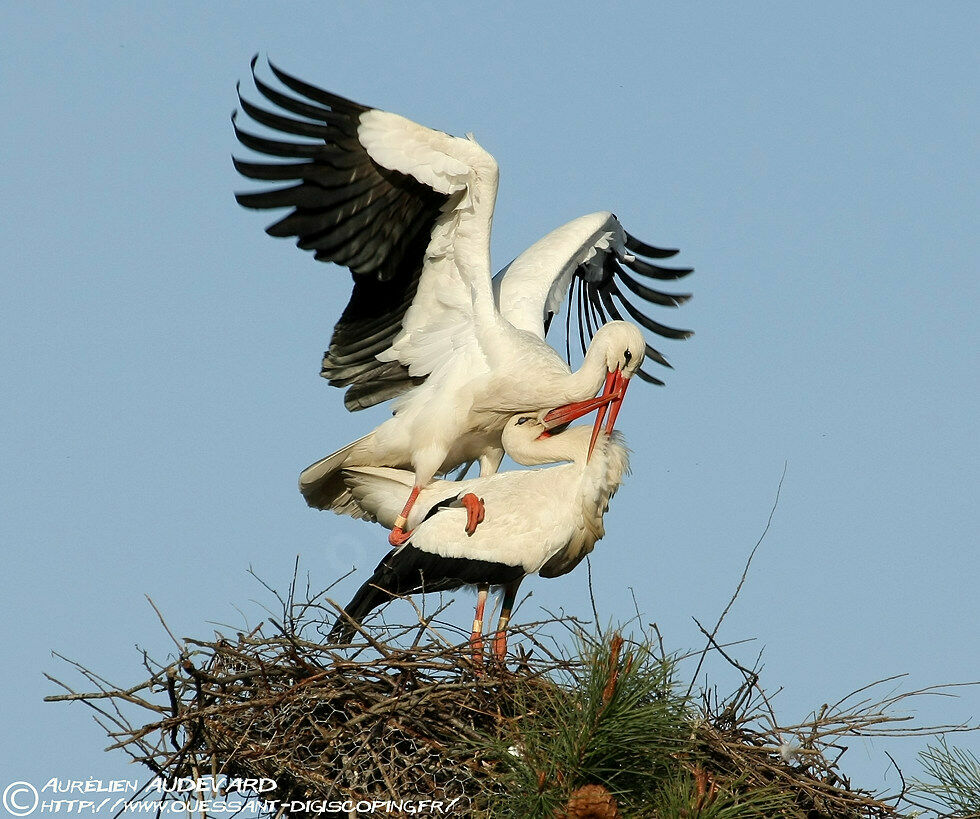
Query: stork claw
{"points": [[475, 511]]}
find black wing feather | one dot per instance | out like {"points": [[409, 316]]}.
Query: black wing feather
{"points": [[593, 293], [648, 293], [349, 210], [340, 104], [636, 246], [645, 320], [606, 299], [653, 271], [645, 376]]}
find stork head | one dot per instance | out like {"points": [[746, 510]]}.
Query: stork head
{"points": [[521, 431], [527, 440], [623, 347]]}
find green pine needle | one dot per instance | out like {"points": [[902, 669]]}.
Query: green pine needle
{"points": [[955, 774], [616, 725]]}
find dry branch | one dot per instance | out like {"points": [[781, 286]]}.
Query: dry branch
{"points": [[396, 717]]}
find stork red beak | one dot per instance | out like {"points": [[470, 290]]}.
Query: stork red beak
{"points": [[617, 389], [561, 416], [610, 399]]}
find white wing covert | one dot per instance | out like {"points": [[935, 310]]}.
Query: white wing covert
{"points": [[454, 296], [583, 261], [402, 206]]}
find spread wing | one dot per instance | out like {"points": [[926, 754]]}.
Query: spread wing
{"points": [[384, 197], [591, 262]]}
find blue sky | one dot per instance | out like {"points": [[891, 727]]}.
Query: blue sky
{"points": [[817, 166]]}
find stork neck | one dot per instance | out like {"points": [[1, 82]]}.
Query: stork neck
{"points": [[587, 379]]}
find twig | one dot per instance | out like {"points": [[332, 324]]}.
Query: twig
{"points": [[741, 582], [180, 646]]}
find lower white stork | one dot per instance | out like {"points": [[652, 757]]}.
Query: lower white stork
{"points": [[409, 209], [542, 521]]}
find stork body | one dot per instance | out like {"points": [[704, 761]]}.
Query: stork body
{"points": [[537, 521], [458, 415], [409, 209]]}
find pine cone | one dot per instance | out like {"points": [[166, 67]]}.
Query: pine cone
{"points": [[590, 802]]}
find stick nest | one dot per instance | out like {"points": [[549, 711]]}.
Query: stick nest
{"points": [[396, 716]]}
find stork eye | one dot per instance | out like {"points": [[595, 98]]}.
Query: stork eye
{"points": [[522, 420], [628, 356]]}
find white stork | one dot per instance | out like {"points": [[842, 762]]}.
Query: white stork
{"points": [[542, 521], [408, 210]]}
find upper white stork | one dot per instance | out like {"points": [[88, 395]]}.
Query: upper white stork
{"points": [[542, 521], [408, 210]]}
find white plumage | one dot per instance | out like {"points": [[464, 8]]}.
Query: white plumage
{"points": [[543, 520], [458, 414], [409, 210], [531, 514]]}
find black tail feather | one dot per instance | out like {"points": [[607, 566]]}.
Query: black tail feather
{"points": [[367, 599], [409, 570]]}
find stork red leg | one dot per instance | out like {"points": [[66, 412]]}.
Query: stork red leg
{"points": [[476, 638], [475, 511], [500, 638], [398, 534]]}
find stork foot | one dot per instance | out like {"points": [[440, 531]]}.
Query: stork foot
{"points": [[398, 536], [475, 511]]}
